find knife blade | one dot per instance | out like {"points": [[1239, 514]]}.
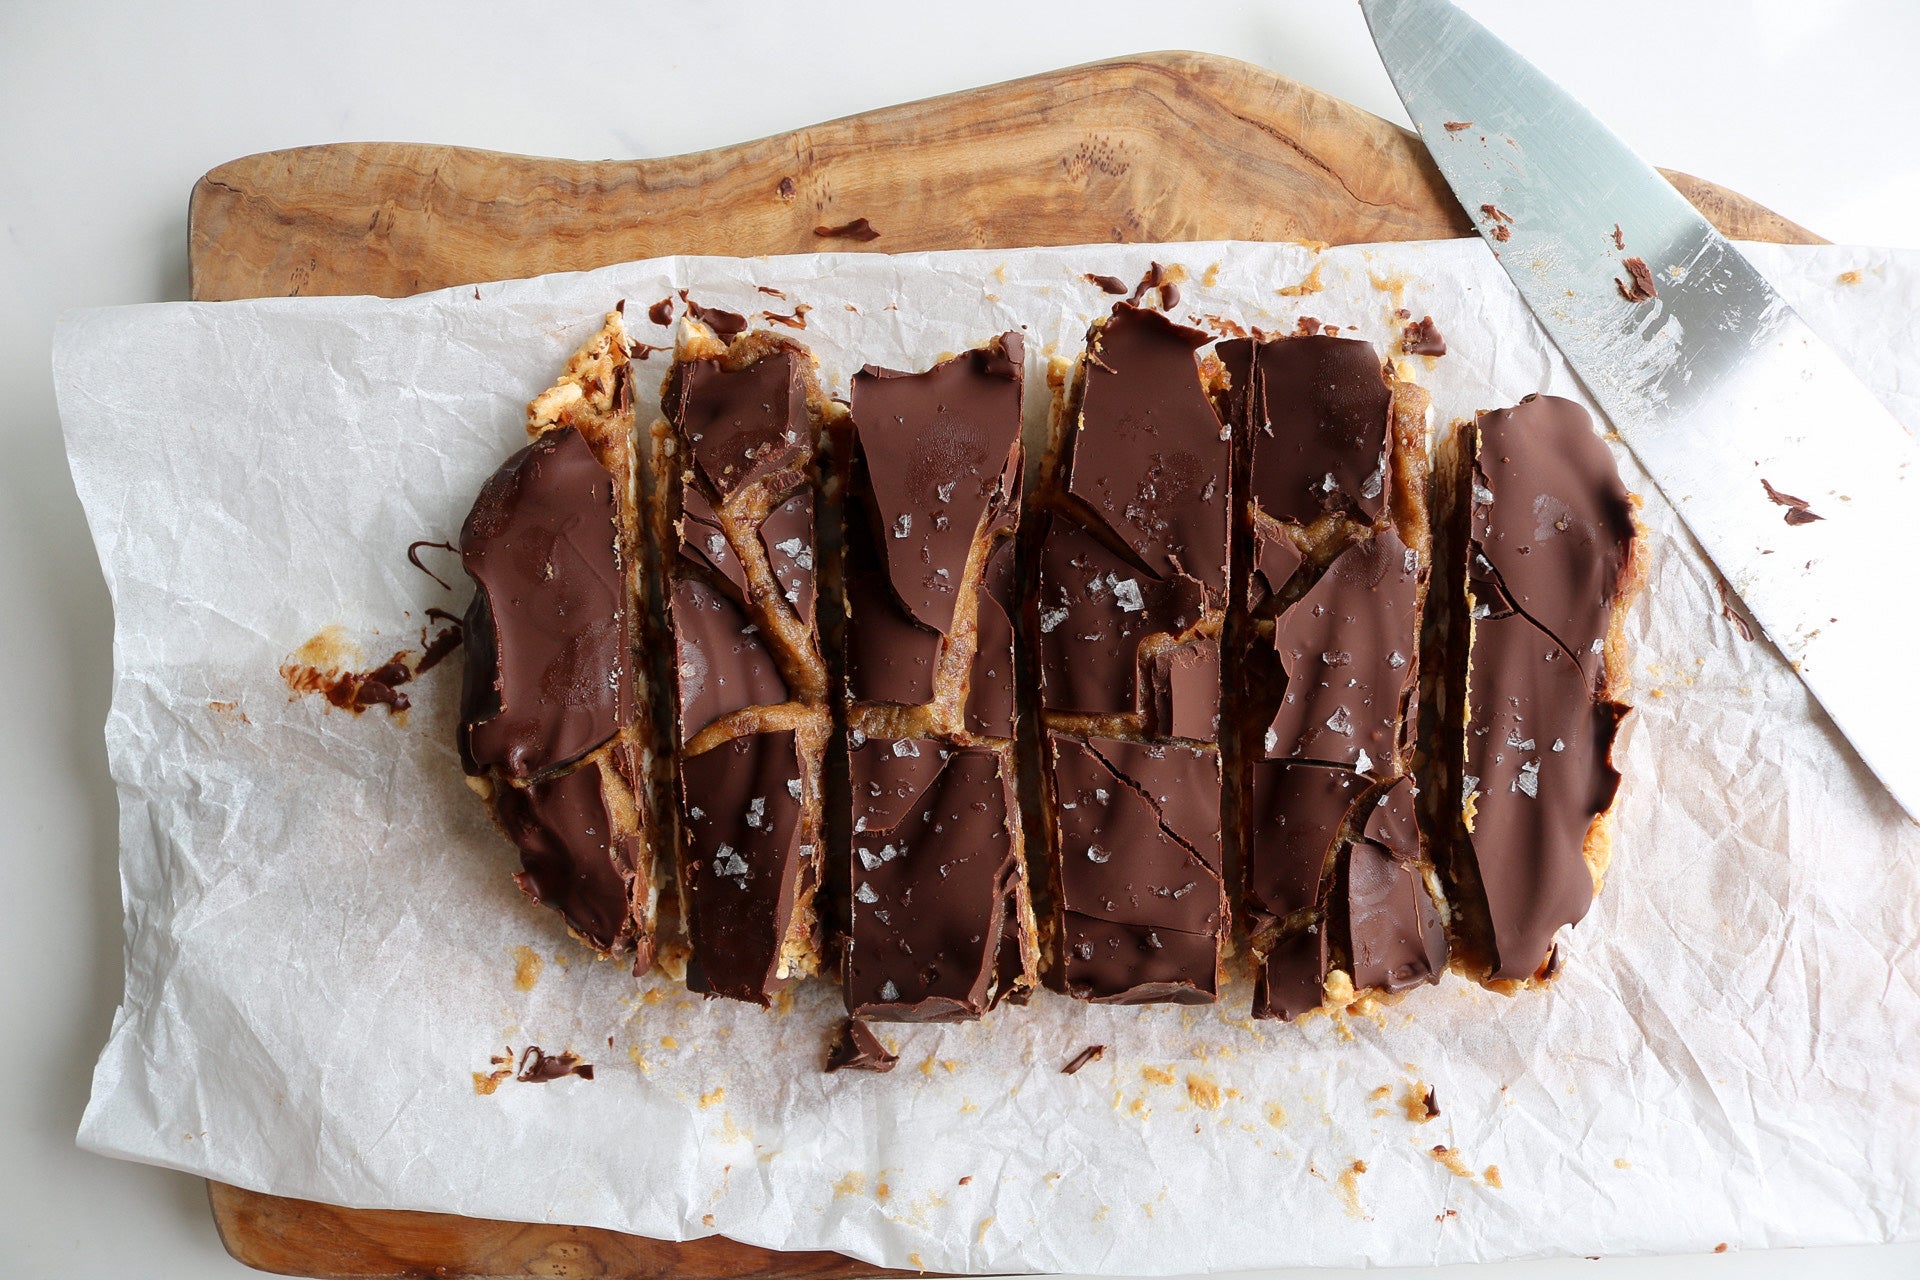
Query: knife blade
{"points": [[1799, 485]]}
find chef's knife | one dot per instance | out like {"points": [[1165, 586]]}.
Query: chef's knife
{"points": [[1802, 488]]}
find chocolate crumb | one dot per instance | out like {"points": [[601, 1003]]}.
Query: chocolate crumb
{"points": [[723, 323], [537, 1066], [1455, 126], [772, 292], [1091, 1053], [1721, 1247], [1401, 313], [1732, 614], [661, 312], [1432, 1104], [439, 646], [1497, 220], [620, 307], [856, 1048], [966, 1180], [1619, 237], [859, 229], [1423, 338], [1639, 286], [1107, 284], [1306, 327], [413, 558], [1798, 509]]}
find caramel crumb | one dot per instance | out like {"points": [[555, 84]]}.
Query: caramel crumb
{"points": [[980, 1233], [1157, 1075], [1621, 1162], [1845, 277], [852, 1185], [1349, 1186], [1276, 1115], [706, 1219], [1204, 1092], [669, 1042], [1450, 1158], [1309, 285], [882, 1191], [713, 1096], [1419, 1102], [1384, 1091], [1211, 276], [526, 968], [485, 1082], [1492, 1177], [918, 1265]]}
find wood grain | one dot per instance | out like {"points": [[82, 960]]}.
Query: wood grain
{"points": [[1163, 146]]}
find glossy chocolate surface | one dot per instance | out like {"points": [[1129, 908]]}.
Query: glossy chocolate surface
{"points": [[1318, 431], [549, 670], [573, 859], [741, 424]]}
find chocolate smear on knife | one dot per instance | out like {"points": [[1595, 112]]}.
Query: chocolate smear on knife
{"points": [[1638, 287], [1798, 509]]}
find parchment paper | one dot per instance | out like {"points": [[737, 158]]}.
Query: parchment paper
{"points": [[324, 945]]}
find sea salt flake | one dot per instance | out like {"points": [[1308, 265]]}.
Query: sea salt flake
{"points": [[793, 787], [757, 812], [865, 893], [1482, 494], [1102, 795], [867, 858], [944, 492], [1362, 761], [888, 991], [1395, 660], [903, 524], [1273, 740], [1051, 618], [1096, 854], [1340, 721], [1528, 781], [1558, 745], [1468, 785], [716, 545], [905, 747]]}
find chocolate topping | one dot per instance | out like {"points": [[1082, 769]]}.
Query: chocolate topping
{"points": [[1183, 692], [1139, 875], [1319, 429], [742, 424], [741, 861], [1094, 609], [1394, 937], [937, 447], [723, 663], [890, 657], [1423, 338], [549, 672], [703, 540], [1292, 979], [1551, 521], [573, 861], [1107, 284], [661, 312], [1150, 456], [1347, 648], [1296, 812], [934, 865], [990, 683], [787, 536], [1275, 560], [856, 1048]]}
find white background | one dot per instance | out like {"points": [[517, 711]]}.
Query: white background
{"points": [[109, 112]]}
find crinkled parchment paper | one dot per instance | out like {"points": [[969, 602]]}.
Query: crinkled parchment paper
{"points": [[324, 946]]}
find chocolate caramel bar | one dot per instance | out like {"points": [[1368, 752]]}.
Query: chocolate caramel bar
{"points": [[1125, 603], [735, 463], [553, 731], [938, 924], [1541, 544]]}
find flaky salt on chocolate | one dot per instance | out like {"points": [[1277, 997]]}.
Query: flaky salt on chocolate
{"points": [[734, 464], [1123, 616], [1541, 545], [1331, 552], [936, 922], [553, 726]]}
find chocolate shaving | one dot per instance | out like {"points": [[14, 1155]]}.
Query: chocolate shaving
{"points": [[1455, 126], [413, 558], [1619, 237], [1091, 1053], [1732, 614], [723, 323], [1157, 279], [1107, 284], [859, 229], [1639, 286], [537, 1066], [772, 292], [856, 1048], [1798, 509], [1497, 221]]}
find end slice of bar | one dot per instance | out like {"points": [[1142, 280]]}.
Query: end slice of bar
{"points": [[938, 922], [735, 460], [553, 730], [1544, 557]]}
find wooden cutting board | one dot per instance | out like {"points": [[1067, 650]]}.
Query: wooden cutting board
{"points": [[1159, 147]]}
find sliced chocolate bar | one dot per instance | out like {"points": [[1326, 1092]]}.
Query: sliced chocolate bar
{"points": [[1325, 661], [1125, 607], [936, 923], [554, 714], [1544, 557], [735, 472]]}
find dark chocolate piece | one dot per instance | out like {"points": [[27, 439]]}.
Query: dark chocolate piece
{"points": [[787, 537], [1394, 937], [1318, 434], [934, 866], [889, 656], [1347, 647], [1150, 456], [1094, 610], [1183, 691], [990, 684], [936, 447], [1799, 510], [856, 1048], [1552, 522], [1423, 338], [549, 667], [742, 424], [742, 862], [1296, 815], [702, 539], [1141, 895], [722, 663], [1291, 979], [573, 859]]}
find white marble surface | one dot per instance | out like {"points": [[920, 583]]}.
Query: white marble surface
{"points": [[112, 111]]}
